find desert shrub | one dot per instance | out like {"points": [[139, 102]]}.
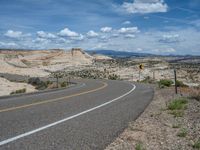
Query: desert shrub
{"points": [[177, 113], [177, 104], [34, 81], [139, 146], [177, 107], [113, 77], [165, 82], [180, 84], [39, 84], [63, 84], [18, 91], [197, 144], [48, 82], [182, 133]]}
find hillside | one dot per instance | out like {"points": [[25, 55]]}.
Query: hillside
{"points": [[41, 62]]}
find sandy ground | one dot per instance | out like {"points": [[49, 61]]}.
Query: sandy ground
{"points": [[7, 87], [155, 128]]}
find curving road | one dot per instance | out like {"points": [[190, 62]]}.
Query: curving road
{"points": [[88, 116]]}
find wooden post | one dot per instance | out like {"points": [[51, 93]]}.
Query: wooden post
{"points": [[139, 74], [175, 80]]}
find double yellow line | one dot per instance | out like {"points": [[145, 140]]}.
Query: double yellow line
{"points": [[53, 100]]}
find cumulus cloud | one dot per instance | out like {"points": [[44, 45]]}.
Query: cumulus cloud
{"points": [[145, 6], [129, 30], [67, 33], [169, 40], [106, 29], [92, 34], [42, 34], [78, 38], [15, 34]]}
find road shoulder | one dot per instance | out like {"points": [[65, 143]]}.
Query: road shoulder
{"points": [[158, 129]]}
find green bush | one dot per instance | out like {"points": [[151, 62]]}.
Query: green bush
{"points": [[48, 82], [63, 84], [177, 113], [113, 77], [197, 144], [182, 133], [139, 146], [34, 81], [39, 84], [18, 91], [177, 104], [165, 82]]}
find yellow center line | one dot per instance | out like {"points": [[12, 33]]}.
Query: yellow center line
{"points": [[53, 100]]}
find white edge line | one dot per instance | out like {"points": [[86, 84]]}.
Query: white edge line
{"points": [[63, 120]]}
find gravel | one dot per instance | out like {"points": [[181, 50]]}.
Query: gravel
{"points": [[157, 129]]}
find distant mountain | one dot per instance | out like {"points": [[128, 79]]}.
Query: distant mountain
{"points": [[118, 54]]}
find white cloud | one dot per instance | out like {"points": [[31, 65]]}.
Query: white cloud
{"points": [[8, 44], [78, 38], [43, 34], [68, 33], [165, 50], [170, 38], [145, 6], [130, 36], [92, 34], [15, 34], [128, 30], [106, 29], [126, 22]]}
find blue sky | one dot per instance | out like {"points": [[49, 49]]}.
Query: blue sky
{"points": [[148, 26]]}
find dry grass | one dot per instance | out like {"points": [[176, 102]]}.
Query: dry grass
{"points": [[195, 94]]}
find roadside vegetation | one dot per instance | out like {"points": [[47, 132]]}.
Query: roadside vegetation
{"points": [[171, 121], [92, 74], [196, 145], [18, 91], [139, 146], [42, 85], [182, 133], [165, 83]]}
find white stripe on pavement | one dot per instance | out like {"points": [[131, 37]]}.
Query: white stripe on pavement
{"points": [[65, 119]]}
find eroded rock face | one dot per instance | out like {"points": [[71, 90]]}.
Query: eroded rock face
{"points": [[39, 62]]}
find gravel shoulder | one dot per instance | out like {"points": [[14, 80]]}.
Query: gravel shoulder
{"points": [[158, 129]]}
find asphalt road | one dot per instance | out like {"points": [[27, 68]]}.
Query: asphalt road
{"points": [[88, 116]]}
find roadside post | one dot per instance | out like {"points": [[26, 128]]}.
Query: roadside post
{"points": [[175, 81], [141, 67]]}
